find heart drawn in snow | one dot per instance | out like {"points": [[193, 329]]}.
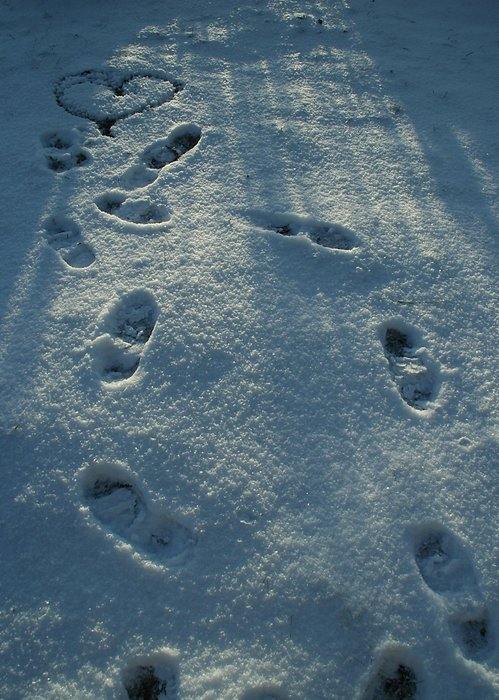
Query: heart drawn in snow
{"points": [[106, 96]]}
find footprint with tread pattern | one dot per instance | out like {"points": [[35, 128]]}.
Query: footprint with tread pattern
{"points": [[415, 374], [64, 235], [162, 153], [112, 495], [127, 326], [304, 228]]}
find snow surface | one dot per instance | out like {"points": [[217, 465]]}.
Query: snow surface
{"points": [[248, 433]]}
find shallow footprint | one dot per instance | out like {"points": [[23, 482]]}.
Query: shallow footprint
{"points": [[139, 212], [415, 374], [64, 236], [395, 679], [116, 501], [327, 235], [63, 151], [442, 560], [128, 326], [152, 678], [162, 153]]}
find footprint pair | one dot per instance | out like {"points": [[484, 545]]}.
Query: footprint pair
{"points": [[64, 153], [161, 153], [156, 677], [447, 570], [413, 371]]}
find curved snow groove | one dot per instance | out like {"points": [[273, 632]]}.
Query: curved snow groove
{"points": [[413, 371], [327, 235], [128, 326], [108, 95], [113, 496]]}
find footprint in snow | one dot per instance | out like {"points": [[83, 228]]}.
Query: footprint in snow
{"points": [[63, 151], [118, 504], [160, 154], [109, 95], [64, 236], [152, 677], [446, 568], [414, 373], [127, 326], [301, 228], [135, 212], [394, 679], [443, 561], [472, 631]]}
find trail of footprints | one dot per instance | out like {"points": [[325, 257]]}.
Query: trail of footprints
{"points": [[111, 493], [447, 570]]}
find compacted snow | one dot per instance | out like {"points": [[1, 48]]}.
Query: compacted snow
{"points": [[248, 350]]}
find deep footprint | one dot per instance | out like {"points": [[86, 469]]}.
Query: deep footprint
{"points": [[106, 96], [117, 503], [442, 561], [63, 151], [64, 236], [162, 153], [415, 374], [395, 680], [127, 327], [152, 678], [140, 212], [472, 634], [324, 234]]}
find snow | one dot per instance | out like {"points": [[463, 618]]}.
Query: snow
{"points": [[248, 290]]}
